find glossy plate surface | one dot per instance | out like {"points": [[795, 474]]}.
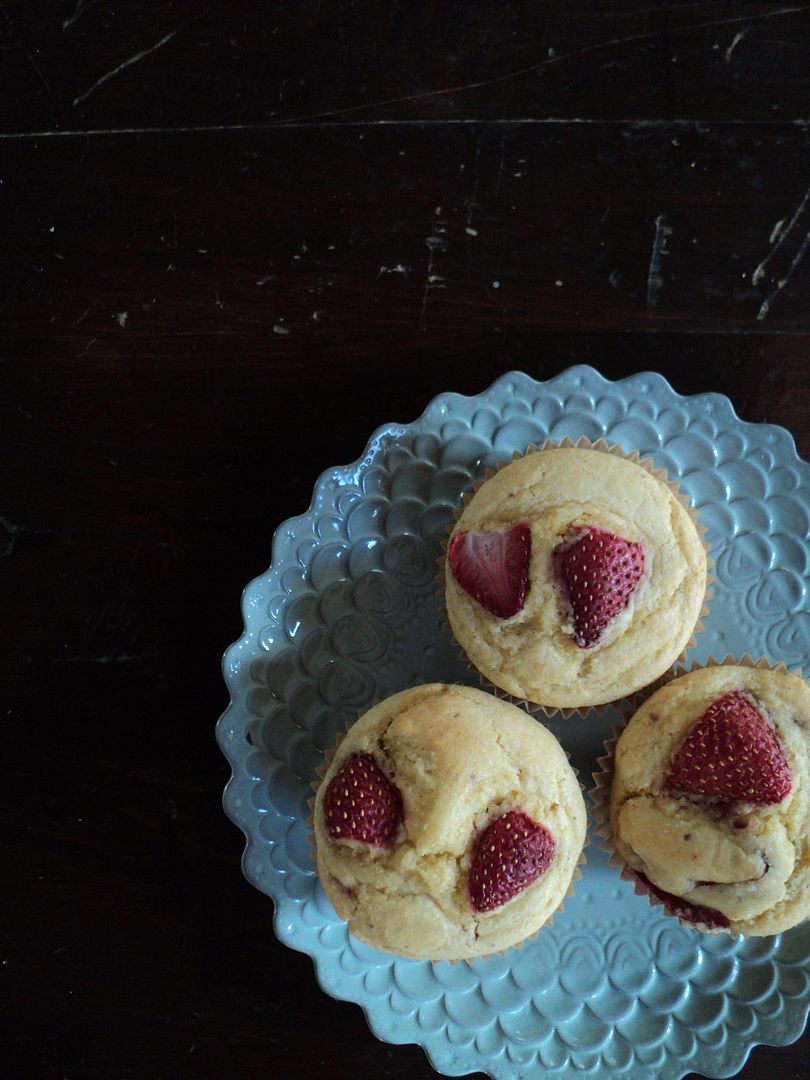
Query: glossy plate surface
{"points": [[347, 613]]}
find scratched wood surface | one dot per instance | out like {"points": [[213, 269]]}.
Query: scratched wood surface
{"points": [[84, 64], [233, 243]]}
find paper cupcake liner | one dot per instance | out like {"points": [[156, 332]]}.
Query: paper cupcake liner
{"points": [[601, 446], [603, 779], [582, 859]]}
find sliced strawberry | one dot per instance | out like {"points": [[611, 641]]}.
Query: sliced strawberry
{"points": [[493, 567], [362, 804], [601, 572], [692, 913], [511, 853], [732, 753]]}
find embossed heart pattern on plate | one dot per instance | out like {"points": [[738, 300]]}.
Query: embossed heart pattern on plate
{"points": [[347, 613]]}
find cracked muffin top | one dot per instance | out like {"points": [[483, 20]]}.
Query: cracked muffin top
{"points": [[574, 577], [710, 801], [448, 824]]}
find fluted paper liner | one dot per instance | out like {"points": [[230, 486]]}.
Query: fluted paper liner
{"points": [[603, 779], [582, 860], [601, 446]]}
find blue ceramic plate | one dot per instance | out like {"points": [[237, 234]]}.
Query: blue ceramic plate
{"points": [[347, 613]]}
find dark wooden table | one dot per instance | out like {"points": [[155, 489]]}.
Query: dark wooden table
{"points": [[236, 238]]}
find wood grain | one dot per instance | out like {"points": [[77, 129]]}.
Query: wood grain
{"points": [[79, 65], [387, 201]]}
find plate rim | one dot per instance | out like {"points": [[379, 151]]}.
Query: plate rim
{"points": [[440, 1054]]}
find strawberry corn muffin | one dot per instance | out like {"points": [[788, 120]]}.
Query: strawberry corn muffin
{"points": [[710, 806], [448, 825], [574, 577]]}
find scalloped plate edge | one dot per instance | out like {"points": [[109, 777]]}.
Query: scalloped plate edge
{"points": [[441, 1058]]}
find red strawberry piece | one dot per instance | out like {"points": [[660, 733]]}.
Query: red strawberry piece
{"points": [[362, 804], [692, 913], [732, 753], [511, 853], [601, 572], [493, 567]]}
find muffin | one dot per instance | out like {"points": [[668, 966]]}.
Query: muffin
{"points": [[710, 804], [448, 824], [574, 577]]}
